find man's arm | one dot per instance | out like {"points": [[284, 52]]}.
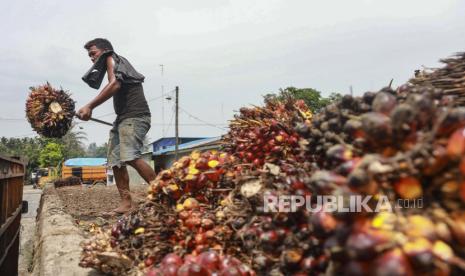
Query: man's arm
{"points": [[107, 92]]}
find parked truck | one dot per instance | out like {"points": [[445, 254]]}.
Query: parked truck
{"points": [[42, 176], [92, 171]]}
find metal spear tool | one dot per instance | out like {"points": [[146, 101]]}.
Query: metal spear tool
{"points": [[56, 108]]}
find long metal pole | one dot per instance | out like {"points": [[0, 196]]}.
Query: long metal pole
{"points": [[162, 103], [98, 121], [177, 124]]}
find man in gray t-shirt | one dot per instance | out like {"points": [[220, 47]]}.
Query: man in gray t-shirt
{"points": [[133, 114]]}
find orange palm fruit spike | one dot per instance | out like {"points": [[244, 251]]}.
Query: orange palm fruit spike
{"points": [[213, 163], [438, 162], [443, 251], [456, 144], [195, 155], [212, 175], [408, 188], [462, 191], [457, 227], [417, 247], [190, 203], [462, 166], [363, 244], [420, 226]]}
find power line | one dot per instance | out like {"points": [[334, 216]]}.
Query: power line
{"points": [[156, 98], [12, 119], [162, 100], [200, 120]]}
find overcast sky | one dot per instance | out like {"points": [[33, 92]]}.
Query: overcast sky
{"points": [[223, 54]]}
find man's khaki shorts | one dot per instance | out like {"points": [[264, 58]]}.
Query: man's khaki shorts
{"points": [[127, 140]]}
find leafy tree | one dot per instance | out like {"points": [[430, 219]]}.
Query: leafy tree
{"points": [[51, 155], [73, 145], [334, 96], [312, 97], [91, 150], [26, 148], [102, 151], [30, 149], [97, 151]]}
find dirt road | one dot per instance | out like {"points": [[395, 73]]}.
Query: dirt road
{"points": [[28, 229]]}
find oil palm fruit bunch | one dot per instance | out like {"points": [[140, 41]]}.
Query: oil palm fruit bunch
{"points": [[396, 244], [411, 149], [383, 122], [195, 176], [265, 134], [134, 242], [340, 124], [278, 242], [201, 229], [208, 263], [50, 111], [195, 186]]}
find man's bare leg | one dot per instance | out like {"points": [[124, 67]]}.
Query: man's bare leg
{"points": [[144, 169], [122, 183]]}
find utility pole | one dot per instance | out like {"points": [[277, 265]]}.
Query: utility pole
{"points": [[162, 102], [351, 91], [177, 124]]}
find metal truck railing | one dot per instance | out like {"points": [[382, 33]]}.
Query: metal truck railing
{"points": [[11, 194]]}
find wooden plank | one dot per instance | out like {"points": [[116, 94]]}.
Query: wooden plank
{"points": [[9, 220], [11, 175], [19, 162], [7, 249]]}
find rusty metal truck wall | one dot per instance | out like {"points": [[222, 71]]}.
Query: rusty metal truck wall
{"points": [[11, 194]]}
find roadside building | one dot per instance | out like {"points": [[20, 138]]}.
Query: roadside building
{"points": [[164, 157]]}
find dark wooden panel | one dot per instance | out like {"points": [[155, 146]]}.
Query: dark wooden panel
{"points": [[11, 196]]}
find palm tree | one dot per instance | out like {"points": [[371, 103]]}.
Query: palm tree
{"points": [[72, 142]]}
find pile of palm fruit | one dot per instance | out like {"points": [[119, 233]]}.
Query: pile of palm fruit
{"points": [[50, 111], [190, 207], [267, 133], [450, 78], [401, 149]]}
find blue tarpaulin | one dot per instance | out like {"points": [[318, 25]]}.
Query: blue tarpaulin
{"points": [[85, 162]]}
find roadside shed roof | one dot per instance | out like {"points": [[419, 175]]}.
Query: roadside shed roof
{"points": [[188, 146]]}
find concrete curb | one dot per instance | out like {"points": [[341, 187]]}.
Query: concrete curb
{"points": [[56, 249]]}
